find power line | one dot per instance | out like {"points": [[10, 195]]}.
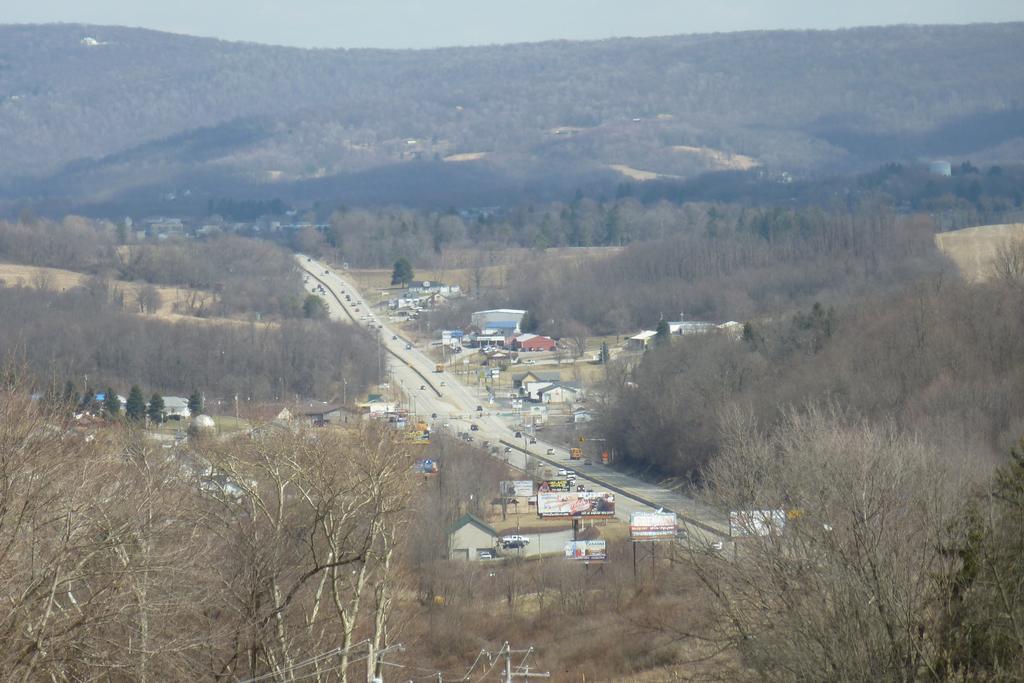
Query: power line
{"points": [[305, 663]]}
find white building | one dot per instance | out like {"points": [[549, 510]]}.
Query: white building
{"points": [[497, 318]]}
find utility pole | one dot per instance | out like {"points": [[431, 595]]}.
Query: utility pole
{"points": [[520, 671]]}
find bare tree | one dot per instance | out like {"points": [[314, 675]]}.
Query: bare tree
{"points": [[845, 584], [1008, 262], [148, 298]]}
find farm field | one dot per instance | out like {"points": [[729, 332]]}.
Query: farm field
{"points": [[973, 249], [172, 299]]}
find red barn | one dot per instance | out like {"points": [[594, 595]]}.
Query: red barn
{"points": [[533, 342]]}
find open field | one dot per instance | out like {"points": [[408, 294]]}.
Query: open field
{"points": [[172, 299], [639, 174], [463, 266], [466, 156], [722, 161], [973, 249]]}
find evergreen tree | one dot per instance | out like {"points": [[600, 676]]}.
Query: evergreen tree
{"points": [[195, 403], [663, 332], [111, 404], [87, 404], [605, 353], [135, 406], [155, 411], [528, 323], [71, 396], [314, 307], [402, 273]]}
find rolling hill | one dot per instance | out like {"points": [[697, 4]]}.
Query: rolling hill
{"points": [[93, 114]]}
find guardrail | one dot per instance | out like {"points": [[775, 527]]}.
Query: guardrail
{"points": [[619, 490]]}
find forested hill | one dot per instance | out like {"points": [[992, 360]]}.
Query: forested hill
{"points": [[90, 111]]}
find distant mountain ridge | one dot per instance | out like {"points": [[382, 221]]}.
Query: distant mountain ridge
{"points": [[91, 112]]}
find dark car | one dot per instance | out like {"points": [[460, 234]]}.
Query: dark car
{"points": [[479, 409], [533, 439], [474, 427], [519, 435], [433, 416]]}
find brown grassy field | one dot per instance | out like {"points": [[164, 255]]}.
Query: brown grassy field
{"points": [[724, 161], [57, 279], [972, 249], [462, 266]]}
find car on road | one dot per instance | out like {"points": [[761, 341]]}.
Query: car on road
{"points": [[433, 416], [580, 488], [551, 451], [519, 435], [408, 347], [394, 337], [423, 387], [533, 439], [479, 409], [474, 427], [566, 473], [485, 554], [508, 449], [508, 538], [443, 383], [531, 362]]}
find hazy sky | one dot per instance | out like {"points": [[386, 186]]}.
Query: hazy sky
{"points": [[430, 23]]}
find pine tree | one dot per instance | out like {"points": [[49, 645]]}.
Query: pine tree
{"points": [[111, 404], [195, 403], [71, 396], [528, 323], [155, 411], [135, 406], [663, 332], [605, 353], [402, 273]]}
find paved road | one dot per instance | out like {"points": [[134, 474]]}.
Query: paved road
{"points": [[454, 403], [547, 543]]}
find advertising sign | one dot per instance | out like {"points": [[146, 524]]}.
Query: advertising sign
{"points": [[650, 526], [576, 504], [586, 550], [517, 488], [426, 467], [756, 522], [553, 485]]}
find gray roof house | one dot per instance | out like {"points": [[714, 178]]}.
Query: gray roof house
{"points": [[467, 536]]}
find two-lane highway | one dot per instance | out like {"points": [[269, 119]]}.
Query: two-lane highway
{"points": [[442, 394]]}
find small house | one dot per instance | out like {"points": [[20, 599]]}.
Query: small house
{"points": [[560, 392], [641, 340], [521, 379], [467, 536]]}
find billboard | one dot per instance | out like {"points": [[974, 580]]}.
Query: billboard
{"points": [[586, 550], [652, 525], [517, 488], [576, 504], [756, 522], [426, 467], [553, 485]]}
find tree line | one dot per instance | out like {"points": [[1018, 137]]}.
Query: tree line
{"points": [[80, 332]]}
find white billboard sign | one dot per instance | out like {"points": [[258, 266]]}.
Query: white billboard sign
{"points": [[517, 488], [653, 525], [756, 522]]}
